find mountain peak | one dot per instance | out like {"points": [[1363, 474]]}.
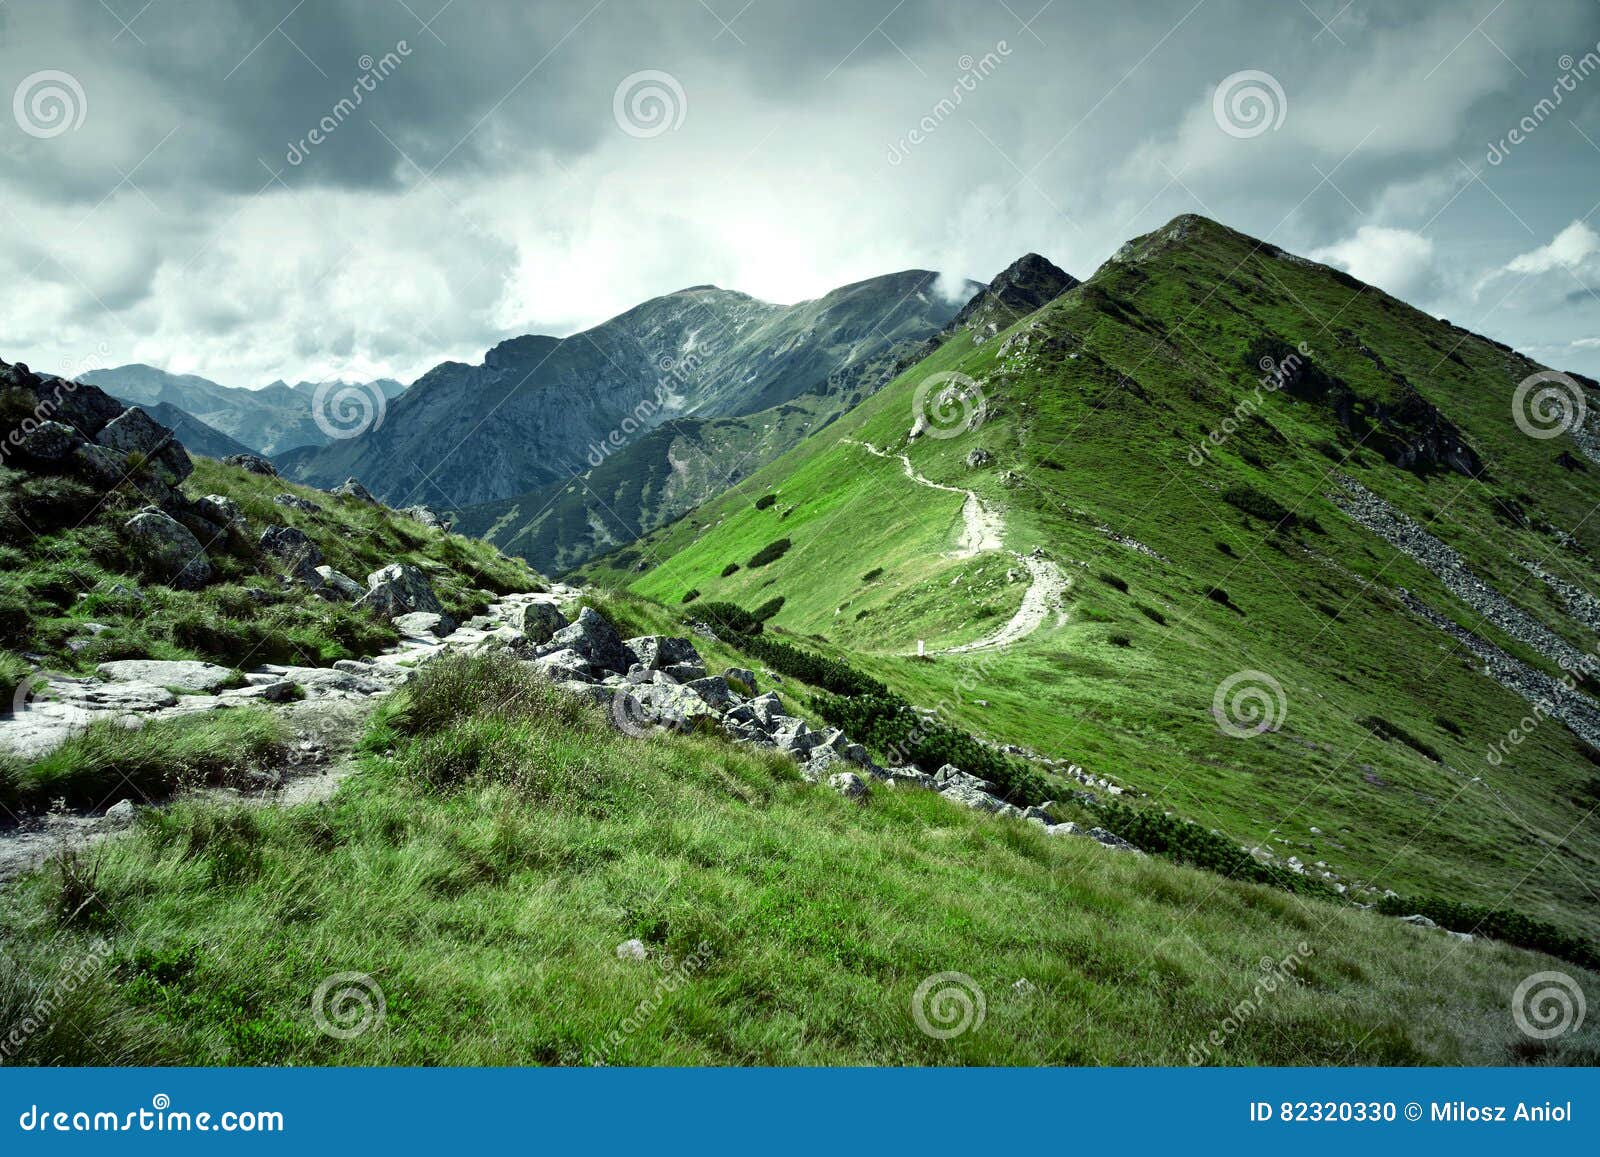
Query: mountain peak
{"points": [[1025, 285]]}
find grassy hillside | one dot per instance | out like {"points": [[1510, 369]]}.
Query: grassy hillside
{"points": [[1093, 409], [502, 841], [64, 564]]}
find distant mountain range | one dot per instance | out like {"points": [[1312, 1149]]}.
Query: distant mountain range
{"points": [[540, 410], [690, 460], [277, 418]]}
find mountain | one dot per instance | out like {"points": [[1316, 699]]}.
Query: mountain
{"points": [[1230, 526], [688, 460], [540, 410], [196, 436], [270, 421], [388, 387]]}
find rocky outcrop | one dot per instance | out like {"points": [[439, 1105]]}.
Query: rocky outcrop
{"points": [[429, 518], [252, 464], [295, 550], [350, 488], [540, 621], [400, 589], [167, 550], [595, 640], [139, 438]]}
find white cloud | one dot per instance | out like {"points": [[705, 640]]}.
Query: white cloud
{"points": [[1396, 260], [1571, 248]]}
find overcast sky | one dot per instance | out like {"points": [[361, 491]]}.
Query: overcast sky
{"points": [[162, 199]]}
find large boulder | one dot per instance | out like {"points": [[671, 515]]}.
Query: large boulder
{"points": [[175, 674], [221, 510], [596, 640], [47, 441], [660, 652], [167, 550], [87, 409], [140, 439], [540, 621], [400, 589], [428, 517], [295, 502], [340, 584], [251, 464], [295, 550]]}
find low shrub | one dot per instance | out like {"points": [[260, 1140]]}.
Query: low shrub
{"points": [[1497, 923], [772, 552], [767, 609], [730, 569], [1189, 843], [765, 501]]}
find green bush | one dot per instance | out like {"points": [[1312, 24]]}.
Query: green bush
{"points": [[726, 619], [1253, 502], [689, 596], [1497, 923], [731, 568], [772, 552], [767, 609], [765, 501], [1189, 843]]}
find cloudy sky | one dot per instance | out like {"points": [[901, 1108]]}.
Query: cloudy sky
{"points": [[180, 184]]}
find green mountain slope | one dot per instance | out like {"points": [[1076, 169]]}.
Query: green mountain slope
{"points": [[1191, 564]]}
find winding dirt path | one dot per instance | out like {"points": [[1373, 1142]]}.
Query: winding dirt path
{"points": [[983, 531]]}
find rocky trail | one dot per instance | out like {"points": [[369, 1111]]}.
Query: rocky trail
{"points": [[983, 531], [325, 709]]}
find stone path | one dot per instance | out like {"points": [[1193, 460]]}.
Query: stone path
{"points": [[983, 531], [324, 724]]}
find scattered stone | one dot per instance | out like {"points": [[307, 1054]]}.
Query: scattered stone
{"points": [[49, 441], [295, 502], [654, 652], [350, 488], [848, 784], [168, 551], [295, 550], [121, 812], [182, 674], [251, 464], [1112, 840], [540, 621], [596, 640], [336, 582], [428, 517], [632, 950], [221, 510], [1024, 987], [137, 436], [399, 589], [1419, 920], [978, 457], [421, 623]]}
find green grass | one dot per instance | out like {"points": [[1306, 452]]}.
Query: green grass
{"points": [[485, 864], [108, 762], [1089, 427], [64, 565]]}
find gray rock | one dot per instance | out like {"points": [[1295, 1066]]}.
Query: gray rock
{"points": [[423, 623], [428, 517], [350, 488], [1042, 815], [910, 777], [134, 432], [670, 704], [653, 652], [221, 510], [848, 784], [713, 690], [1066, 829], [48, 441], [339, 583], [399, 589], [295, 502], [183, 674], [277, 691], [295, 550], [795, 736], [596, 693], [1419, 920], [540, 621], [744, 677], [979, 457], [167, 550], [98, 466], [632, 950], [767, 709], [596, 640], [121, 812], [684, 672], [565, 665], [251, 464], [1112, 840]]}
